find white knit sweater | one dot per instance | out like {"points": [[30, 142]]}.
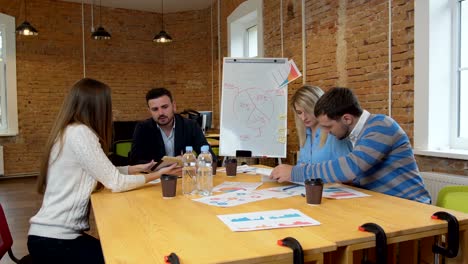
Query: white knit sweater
{"points": [[73, 174]]}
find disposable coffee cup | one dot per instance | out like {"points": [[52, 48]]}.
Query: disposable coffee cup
{"points": [[231, 167], [169, 186], [314, 188]]}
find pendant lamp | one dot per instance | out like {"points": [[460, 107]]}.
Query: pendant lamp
{"points": [[162, 36], [25, 28], [100, 33]]}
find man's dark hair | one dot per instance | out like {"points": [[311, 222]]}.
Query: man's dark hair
{"points": [[156, 93], [336, 102]]}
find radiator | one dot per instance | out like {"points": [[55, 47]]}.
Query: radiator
{"points": [[435, 181]]}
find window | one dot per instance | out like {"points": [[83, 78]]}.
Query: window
{"points": [[462, 130], [252, 41], [441, 78], [8, 106], [245, 30]]}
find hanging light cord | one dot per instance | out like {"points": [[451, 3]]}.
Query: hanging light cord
{"points": [[281, 27], [100, 20], [92, 16], [25, 11], [162, 13]]}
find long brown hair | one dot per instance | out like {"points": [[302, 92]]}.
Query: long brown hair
{"points": [[306, 97], [88, 103]]}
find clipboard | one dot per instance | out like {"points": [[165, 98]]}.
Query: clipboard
{"points": [[167, 161]]}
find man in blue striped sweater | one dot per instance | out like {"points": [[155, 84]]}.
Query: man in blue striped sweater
{"points": [[381, 160]]}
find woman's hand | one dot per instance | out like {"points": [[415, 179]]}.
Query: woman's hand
{"points": [[135, 169]]}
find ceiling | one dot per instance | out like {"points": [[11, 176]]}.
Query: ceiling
{"points": [[170, 6]]}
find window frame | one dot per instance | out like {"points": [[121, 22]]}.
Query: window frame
{"points": [[246, 15], [247, 41], [8, 88], [435, 59], [455, 138]]}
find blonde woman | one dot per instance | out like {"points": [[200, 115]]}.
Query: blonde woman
{"points": [[74, 163], [315, 145]]}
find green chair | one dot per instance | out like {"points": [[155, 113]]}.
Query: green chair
{"points": [[215, 151], [454, 197], [123, 147], [120, 152]]}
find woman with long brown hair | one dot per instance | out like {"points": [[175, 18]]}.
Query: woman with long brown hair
{"points": [[74, 163]]}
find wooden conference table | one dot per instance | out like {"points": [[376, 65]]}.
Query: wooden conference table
{"points": [[140, 226]]}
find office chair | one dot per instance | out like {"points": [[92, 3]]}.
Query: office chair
{"points": [[123, 147], [453, 197], [6, 241], [121, 150]]}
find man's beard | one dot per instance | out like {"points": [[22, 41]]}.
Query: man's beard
{"points": [[169, 121], [347, 133]]}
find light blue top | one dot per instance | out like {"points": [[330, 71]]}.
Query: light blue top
{"points": [[312, 152], [382, 161]]}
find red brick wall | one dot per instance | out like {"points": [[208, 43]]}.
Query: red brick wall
{"points": [[47, 65], [347, 45]]}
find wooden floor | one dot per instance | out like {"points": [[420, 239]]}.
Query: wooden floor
{"points": [[20, 201]]}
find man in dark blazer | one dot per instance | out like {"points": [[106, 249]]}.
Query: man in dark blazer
{"points": [[165, 133]]}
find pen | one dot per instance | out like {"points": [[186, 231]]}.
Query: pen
{"points": [[290, 187]]}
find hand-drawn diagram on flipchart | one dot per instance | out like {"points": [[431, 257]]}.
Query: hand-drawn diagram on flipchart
{"points": [[254, 106]]}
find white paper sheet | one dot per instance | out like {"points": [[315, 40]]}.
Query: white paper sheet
{"points": [[233, 198], [236, 186], [267, 220]]}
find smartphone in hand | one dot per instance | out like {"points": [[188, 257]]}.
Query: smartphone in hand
{"points": [[167, 161]]}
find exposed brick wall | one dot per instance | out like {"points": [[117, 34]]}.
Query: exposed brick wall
{"points": [[347, 45], [450, 166], [47, 65]]}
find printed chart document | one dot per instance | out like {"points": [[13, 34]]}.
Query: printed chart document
{"points": [[341, 192], [267, 220], [233, 198], [241, 169], [236, 186], [284, 191]]}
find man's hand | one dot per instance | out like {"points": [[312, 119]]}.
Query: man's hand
{"points": [[281, 173]]}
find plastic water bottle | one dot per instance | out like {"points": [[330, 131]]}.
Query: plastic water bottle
{"points": [[205, 172], [189, 172]]}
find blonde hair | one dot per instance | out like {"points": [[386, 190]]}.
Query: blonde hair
{"points": [[306, 97], [88, 103]]}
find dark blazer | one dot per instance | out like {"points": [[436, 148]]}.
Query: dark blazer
{"points": [[148, 143]]}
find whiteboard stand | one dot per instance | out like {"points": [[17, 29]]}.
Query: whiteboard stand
{"points": [[254, 106]]}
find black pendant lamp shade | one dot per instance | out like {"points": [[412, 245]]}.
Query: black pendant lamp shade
{"points": [[100, 33], [25, 28], [162, 36]]}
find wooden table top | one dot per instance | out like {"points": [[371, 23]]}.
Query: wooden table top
{"points": [[140, 227]]}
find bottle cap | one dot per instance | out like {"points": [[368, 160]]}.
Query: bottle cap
{"points": [[205, 148], [188, 148]]}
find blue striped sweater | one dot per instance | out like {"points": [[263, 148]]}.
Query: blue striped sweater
{"points": [[382, 160]]}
